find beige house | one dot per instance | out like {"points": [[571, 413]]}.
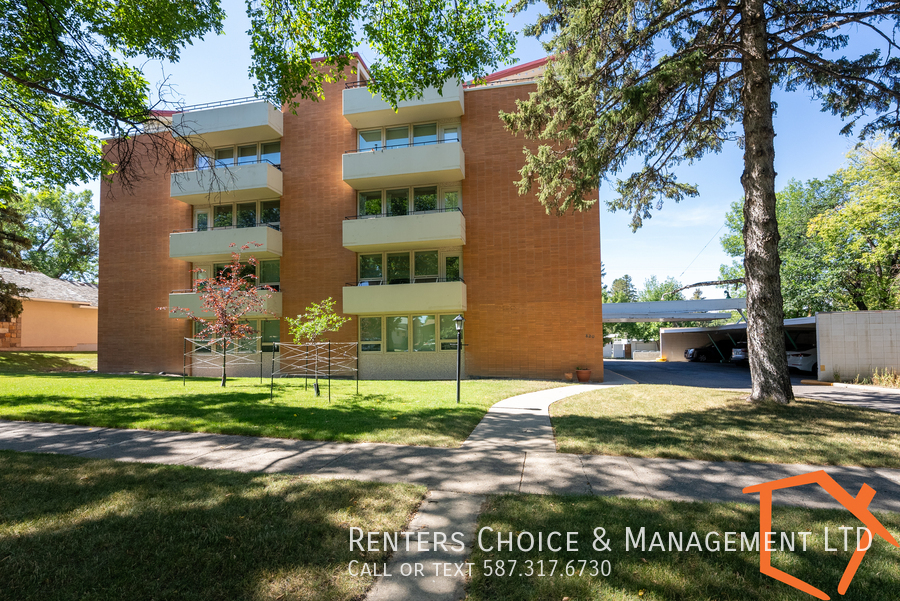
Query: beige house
{"points": [[58, 315]]}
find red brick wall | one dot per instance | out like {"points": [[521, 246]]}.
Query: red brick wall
{"points": [[533, 280], [316, 200], [136, 273]]}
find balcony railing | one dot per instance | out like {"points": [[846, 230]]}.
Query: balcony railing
{"points": [[214, 164], [218, 103], [397, 281], [396, 146], [211, 228], [426, 212]]}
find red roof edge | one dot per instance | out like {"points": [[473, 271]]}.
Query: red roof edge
{"points": [[516, 69], [355, 54], [164, 113]]}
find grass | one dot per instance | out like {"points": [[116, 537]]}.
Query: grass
{"points": [[659, 575], [413, 413], [28, 362], [74, 528], [717, 425]]}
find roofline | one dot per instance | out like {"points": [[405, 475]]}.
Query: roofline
{"points": [[516, 69]]}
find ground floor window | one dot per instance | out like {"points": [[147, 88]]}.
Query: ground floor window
{"points": [[266, 333], [407, 333]]}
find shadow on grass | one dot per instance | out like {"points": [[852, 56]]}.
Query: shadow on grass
{"points": [[248, 411], [16, 362], [802, 432], [74, 528], [689, 575]]}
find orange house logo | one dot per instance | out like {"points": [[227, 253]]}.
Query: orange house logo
{"points": [[858, 506]]}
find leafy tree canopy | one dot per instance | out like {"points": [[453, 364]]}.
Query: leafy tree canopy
{"points": [[420, 43], [860, 236], [64, 72], [839, 237], [62, 227]]}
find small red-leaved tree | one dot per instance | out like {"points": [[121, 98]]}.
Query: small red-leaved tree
{"points": [[229, 295]]}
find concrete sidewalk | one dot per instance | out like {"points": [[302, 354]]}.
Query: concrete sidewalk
{"points": [[512, 450]]}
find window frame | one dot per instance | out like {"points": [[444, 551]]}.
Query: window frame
{"points": [[234, 212], [442, 190], [439, 134], [213, 162], [383, 280], [410, 334]]}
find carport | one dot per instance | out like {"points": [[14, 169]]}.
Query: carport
{"points": [[799, 333]]}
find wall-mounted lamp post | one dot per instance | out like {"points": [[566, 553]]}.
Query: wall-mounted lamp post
{"points": [[458, 322]]}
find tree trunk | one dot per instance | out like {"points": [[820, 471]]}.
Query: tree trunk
{"points": [[762, 265]]}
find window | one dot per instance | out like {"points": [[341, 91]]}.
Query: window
{"points": [[225, 269], [407, 333], [270, 274], [450, 133], [398, 202], [199, 327], [246, 154], [222, 215], [370, 139], [397, 334], [448, 333], [452, 268], [398, 268], [201, 220], [224, 157], [270, 332], [370, 334], [201, 161], [399, 136], [425, 199], [246, 214], [248, 344], [426, 266], [424, 134], [396, 137], [271, 152], [370, 269], [270, 212], [421, 266], [450, 199], [370, 203], [423, 333]]}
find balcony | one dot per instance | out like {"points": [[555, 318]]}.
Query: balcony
{"points": [[424, 298], [191, 300], [405, 232], [363, 110], [214, 244], [405, 166], [253, 181], [229, 123]]}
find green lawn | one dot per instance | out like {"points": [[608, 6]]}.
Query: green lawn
{"points": [[658, 575], [414, 413], [716, 425], [30, 363], [74, 528]]}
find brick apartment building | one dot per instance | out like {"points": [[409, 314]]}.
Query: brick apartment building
{"points": [[407, 219]]}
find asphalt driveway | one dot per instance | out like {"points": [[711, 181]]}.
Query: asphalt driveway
{"points": [[725, 375]]}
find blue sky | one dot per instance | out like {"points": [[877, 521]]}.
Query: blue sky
{"points": [[672, 243]]}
